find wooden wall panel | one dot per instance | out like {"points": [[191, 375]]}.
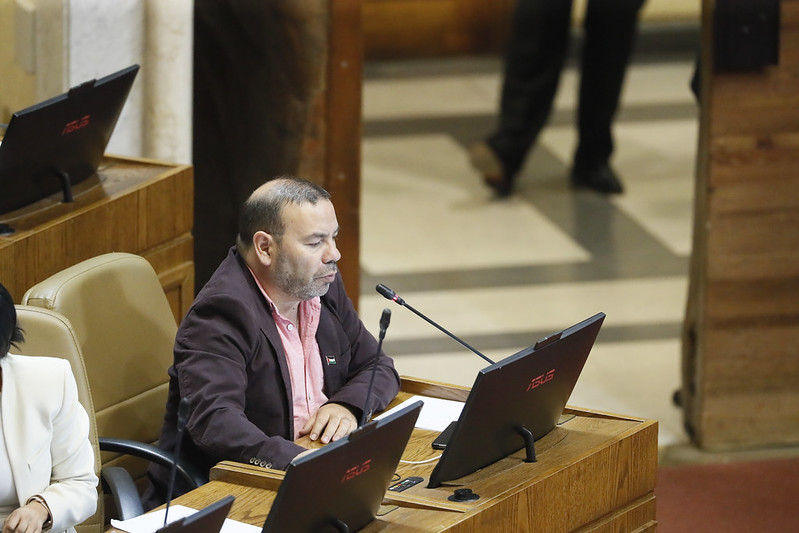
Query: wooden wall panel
{"points": [[395, 29], [741, 337], [424, 28]]}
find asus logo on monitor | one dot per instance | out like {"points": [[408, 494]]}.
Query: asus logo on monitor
{"points": [[75, 125], [540, 380], [356, 471]]}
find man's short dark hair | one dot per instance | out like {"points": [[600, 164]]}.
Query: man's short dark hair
{"points": [[263, 211], [10, 332]]}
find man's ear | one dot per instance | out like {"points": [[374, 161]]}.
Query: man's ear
{"points": [[263, 246]]}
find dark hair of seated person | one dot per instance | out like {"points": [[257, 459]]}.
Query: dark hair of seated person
{"points": [[10, 332]]}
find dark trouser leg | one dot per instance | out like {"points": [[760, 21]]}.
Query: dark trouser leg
{"points": [[533, 62], [610, 29]]}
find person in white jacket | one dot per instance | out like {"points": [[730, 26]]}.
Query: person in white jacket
{"points": [[47, 479]]}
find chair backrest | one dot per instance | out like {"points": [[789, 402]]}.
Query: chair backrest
{"points": [[126, 331], [50, 334]]}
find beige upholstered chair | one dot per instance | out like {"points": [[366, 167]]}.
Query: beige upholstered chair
{"points": [[126, 330], [49, 333]]}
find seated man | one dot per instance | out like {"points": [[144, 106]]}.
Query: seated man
{"points": [[272, 348]]}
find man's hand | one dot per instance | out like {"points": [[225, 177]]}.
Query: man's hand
{"points": [[331, 422], [27, 519]]}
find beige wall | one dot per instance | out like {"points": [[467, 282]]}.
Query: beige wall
{"points": [[671, 10], [16, 85], [657, 11]]}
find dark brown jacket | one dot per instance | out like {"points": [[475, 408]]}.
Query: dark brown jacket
{"points": [[229, 360]]}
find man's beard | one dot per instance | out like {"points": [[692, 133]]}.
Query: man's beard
{"points": [[301, 288]]}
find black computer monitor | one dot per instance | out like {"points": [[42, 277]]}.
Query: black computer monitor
{"points": [[207, 520], [55, 144], [516, 401], [340, 487]]}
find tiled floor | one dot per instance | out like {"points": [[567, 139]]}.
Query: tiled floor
{"points": [[504, 273]]}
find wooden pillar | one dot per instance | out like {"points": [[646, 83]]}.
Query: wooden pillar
{"points": [[342, 173], [741, 337], [277, 91]]}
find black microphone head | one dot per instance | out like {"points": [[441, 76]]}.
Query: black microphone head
{"points": [[389, 294], [385, 291], [385, 318]]}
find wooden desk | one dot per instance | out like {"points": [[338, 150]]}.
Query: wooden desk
{"points": [[595, 472], [139, 206]]}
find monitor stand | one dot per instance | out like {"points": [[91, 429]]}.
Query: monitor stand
{"points": [[341, 526], [66, 189], [66, 184], [529, 444]]}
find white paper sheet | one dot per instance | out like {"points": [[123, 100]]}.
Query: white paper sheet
{"points": [[436, 413], [151, 522]]}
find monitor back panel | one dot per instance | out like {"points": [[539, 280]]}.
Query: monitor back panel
{"points": [[207, 520], [345, 481], [67, 134], [529, 388]]}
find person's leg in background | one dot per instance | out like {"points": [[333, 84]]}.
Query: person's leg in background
{"points": [[610, 30], [533, 62]]}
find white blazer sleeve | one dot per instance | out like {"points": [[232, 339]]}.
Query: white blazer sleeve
{"points": [[72, 494]]}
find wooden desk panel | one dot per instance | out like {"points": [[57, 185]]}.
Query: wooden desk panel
{"points": [[139, 206], [595, 473]]}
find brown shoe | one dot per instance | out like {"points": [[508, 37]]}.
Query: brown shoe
{"points": [[485, 161]]}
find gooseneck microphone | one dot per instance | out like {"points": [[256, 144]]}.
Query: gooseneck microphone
{"points": [[385, 318], [183, 417], [394, 297]]}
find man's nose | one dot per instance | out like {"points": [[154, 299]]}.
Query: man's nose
{"points": [[332, 255]]}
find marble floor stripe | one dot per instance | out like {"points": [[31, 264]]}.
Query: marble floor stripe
{"points": [[481, 122], [438, 343]]}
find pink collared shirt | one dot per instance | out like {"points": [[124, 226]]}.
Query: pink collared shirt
{"points": [[302, 356]]}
